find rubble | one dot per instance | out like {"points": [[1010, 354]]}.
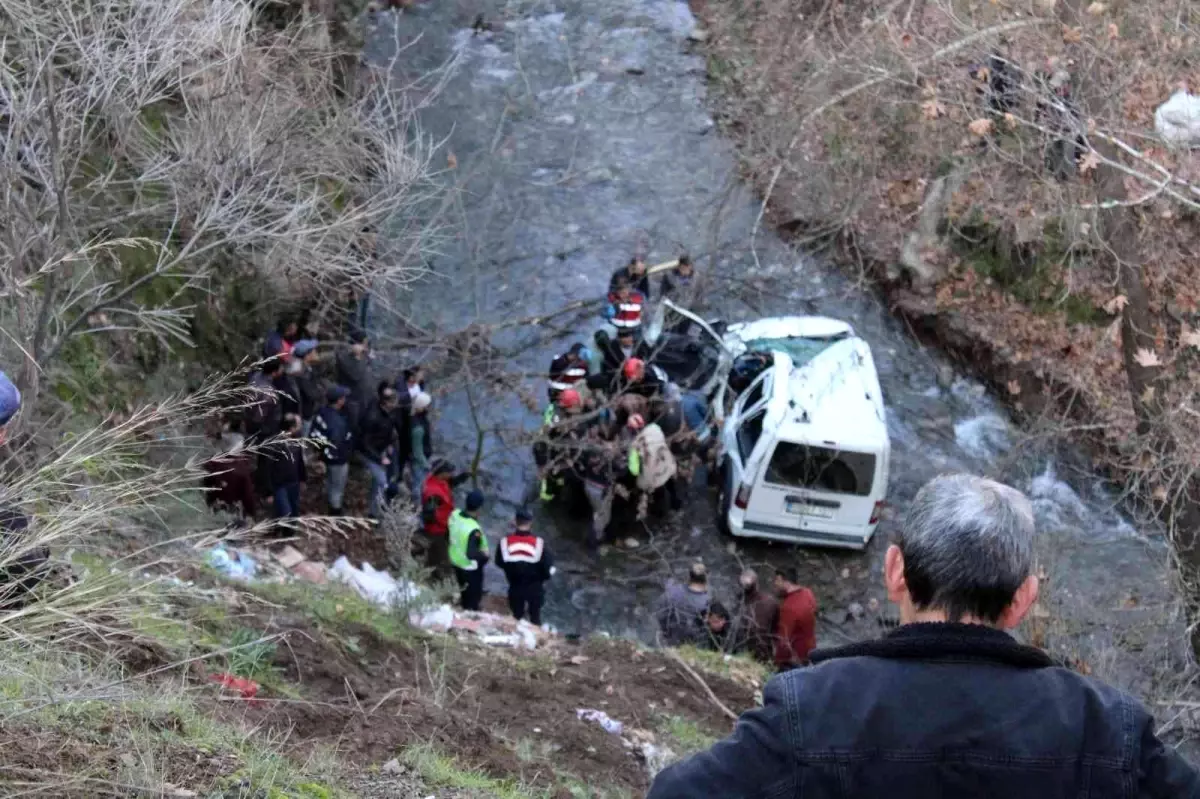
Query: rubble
{"points": [[489, 629]]}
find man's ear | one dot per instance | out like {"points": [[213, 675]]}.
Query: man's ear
{"points": [[893, 575], [1023, 600]]}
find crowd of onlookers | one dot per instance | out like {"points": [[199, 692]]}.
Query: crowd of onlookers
{"points": [[775, 626], [303, 393]]}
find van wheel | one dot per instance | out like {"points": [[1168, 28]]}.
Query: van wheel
{"points": [[725, 498]]}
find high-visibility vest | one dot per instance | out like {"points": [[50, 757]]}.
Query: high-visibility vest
{"points": [[461, 527], [629, 311]]}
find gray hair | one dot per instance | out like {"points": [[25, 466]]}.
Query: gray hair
{"points": [[968, 546]]}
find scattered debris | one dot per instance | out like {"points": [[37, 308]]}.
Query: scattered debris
{"points": [[490, 629], [312, 572], [247, 688], [603, 719], [232, 563], [392, 767], [375, 586], [289, 557]]}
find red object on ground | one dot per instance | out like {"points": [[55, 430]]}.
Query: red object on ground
{"points": [[247, 688], [797, 634]]}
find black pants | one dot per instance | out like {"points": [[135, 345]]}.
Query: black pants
{"points": [[526, 600], [470, 583]]}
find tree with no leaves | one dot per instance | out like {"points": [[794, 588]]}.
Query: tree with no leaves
{"points": [[155, 151]]}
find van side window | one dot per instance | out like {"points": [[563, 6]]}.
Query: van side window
{"points": [[749, 432], [754, 394]]}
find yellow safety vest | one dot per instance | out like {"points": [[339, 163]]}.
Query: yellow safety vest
{"points": [[460, 528]]}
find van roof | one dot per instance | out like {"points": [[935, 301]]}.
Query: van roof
{"points": [[833, 399]]}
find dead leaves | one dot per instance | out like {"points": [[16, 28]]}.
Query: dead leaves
{"points": [[932, 109], [1072, 35], [1145, 358], [1089, 162], [981, 127], [1097, 9], [1116, 304]]}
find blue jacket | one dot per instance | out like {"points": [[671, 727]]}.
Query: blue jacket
{"points": [[937, 710], [331, 430]]}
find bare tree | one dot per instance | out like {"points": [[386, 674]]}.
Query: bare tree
{"points": [[153, 151]]}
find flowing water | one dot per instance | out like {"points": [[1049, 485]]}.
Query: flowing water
{"points": [[581, 134]]}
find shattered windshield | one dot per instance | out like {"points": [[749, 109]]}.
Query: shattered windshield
{"points": [[800, 350]]}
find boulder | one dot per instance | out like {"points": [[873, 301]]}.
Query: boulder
{"points": [[1177, 120]]}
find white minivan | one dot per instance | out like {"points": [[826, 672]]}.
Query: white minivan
{"points": [[803, 448]]}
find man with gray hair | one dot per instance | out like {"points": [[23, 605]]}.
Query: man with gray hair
{"points": [[948, 704]]}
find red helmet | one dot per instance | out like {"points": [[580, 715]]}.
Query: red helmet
{"points": [[636, 422], [569, 398], [634, 368]]}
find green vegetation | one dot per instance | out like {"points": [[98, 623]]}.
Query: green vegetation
{"points": [[439, 769], [739, 668], [335, 606], [684, 736]]}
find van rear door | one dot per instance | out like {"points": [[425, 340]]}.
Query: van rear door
{"points": [[816, 487]]}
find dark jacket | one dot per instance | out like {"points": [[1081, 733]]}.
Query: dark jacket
{"points": [[264, 413], [756, 624], [311, 391], [612, 357], [229, 479], [684, 290], [26, 561], [331, 431], [937, 710], [284, 461], [377, 432], [289, 394], [353, 373], [525, 559], [642, 283]]}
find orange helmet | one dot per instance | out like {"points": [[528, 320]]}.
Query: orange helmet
{"points": [[634, 368], [569, 398], [636, 422]]}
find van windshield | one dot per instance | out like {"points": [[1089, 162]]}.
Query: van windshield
{"points": [[822, 469], [800, 349]]}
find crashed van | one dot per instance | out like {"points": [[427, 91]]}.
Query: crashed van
{"points": [[798, 413]]}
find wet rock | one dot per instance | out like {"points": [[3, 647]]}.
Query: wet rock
{"points": [[564, 119], [855, 611], [698, 35], [600, 174], [945, 376]]}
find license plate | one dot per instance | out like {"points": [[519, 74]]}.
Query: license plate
{"points": [[804, 509]]}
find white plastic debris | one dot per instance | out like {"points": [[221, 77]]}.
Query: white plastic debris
{"points": [[237, 565], [603, 719], [440, 618], [375, 586], [1178, 120]]}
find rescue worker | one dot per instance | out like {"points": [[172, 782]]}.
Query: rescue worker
{"points": [[595, 469], [614, 352], [680, 283], [624, 309], [468, 550], [331, 432], [651, 461], [568, 369], [528, 564], [633, 274], [548, 452], [634, 377], [437, 503]]}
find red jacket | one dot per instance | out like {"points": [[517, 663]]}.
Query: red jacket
{"points": [[797, 628], [437, 503]]}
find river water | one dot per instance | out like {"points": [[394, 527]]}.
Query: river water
{"points": [[581, 133]]}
